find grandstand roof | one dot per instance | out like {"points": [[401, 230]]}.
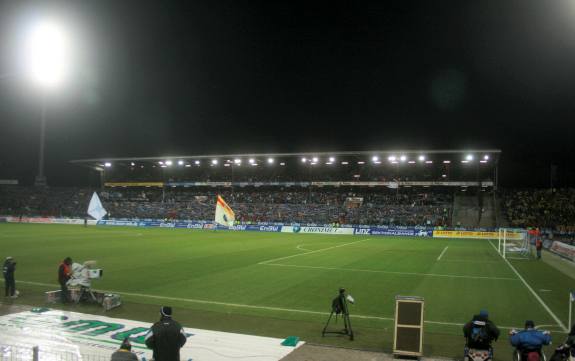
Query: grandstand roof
{"points": [[449, 154]]}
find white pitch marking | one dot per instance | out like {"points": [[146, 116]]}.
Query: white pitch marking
{"points": [[310, 252], [389, 272], [442, 253], [303, 249], [559, 322], [239, 305]]}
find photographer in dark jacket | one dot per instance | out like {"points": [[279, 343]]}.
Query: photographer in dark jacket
{"points": [[166, 337], [64, 274], [9, 280], [480, 331]]}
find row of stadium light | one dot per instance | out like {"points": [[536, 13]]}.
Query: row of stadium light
{"points": [[314, 160]]}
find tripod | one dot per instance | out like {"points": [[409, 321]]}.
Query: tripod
{"points": [[339, 305]]}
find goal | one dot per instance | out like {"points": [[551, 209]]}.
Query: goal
{"points": [[513, 243]]}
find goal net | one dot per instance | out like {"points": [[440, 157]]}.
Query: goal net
{"points": [[513, 243]]}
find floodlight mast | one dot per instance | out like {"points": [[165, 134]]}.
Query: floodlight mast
{"points": [[47, 57]]}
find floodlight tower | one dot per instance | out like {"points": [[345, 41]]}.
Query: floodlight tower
{"points": [[46, 51]]}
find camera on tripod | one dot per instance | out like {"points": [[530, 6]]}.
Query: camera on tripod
{"points": [[339, 307]]}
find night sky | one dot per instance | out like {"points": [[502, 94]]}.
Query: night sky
{"points": [[154, 78]]}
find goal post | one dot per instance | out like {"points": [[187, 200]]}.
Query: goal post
{"points": [[513, 242]]}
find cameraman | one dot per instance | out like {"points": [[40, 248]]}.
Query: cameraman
{"points": [[529, 340], [9, 280], [480, 331], [64, 274]]}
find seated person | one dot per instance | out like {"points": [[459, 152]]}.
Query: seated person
{"points": [[480, 332], [529, 340]]}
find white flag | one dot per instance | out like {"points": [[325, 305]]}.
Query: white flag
{"points": [[95, 209], [224, 214]]}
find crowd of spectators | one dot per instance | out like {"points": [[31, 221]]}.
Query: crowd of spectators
{"points": [[325, 205], [552, 209]]}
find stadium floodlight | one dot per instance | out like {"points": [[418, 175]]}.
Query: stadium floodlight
{"points": [[483, 161], [421, 158], [411, 162], [197, 162], [180, 162], [446, 161], [282, 164], [303, 160], [107, 164], [226, 164], [168, 162], [403, 158], [251, 160], [237, 161], [345, 163], [486, 157], [132, 164], [375, 158], [214, 162], [444, 176], [161, 163], [469, 157], [428, 162], [332, 159], [361, 162], [47, 54], [270, 160], [188, 165], [391, 158], [314, 159]]}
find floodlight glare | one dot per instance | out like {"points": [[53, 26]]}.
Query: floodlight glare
{"points": [[132, 164], [314, 159], [375, 158], [107, 164], [486, 157], [197, 162], [403, 158], [303, 160], [180, 162], [161, 163], [469, 157], [168, 162], [252, 161], [47, 52], [270, 160], [332, 159], [421, 158], [237, 161], [214, 161], [391, 158]]}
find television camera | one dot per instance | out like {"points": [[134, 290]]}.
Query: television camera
{"points": [[80, 287], [339, 306]]}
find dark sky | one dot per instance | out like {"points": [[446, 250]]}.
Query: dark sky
{"points": [[155, 78]]}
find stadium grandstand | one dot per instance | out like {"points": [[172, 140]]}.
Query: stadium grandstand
{"points": [[449, 188], [399, 188]]}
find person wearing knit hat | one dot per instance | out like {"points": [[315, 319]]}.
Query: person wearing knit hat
{"points": [[124, 353], [166, 337], [8, 271], [480, 332]]}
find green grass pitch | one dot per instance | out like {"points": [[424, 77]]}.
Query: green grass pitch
{"points": [[282, 284]]}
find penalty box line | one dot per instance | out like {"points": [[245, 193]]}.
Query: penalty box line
{"points": [[390, 272], [311, 252], [240, 305], [559, 323]]}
